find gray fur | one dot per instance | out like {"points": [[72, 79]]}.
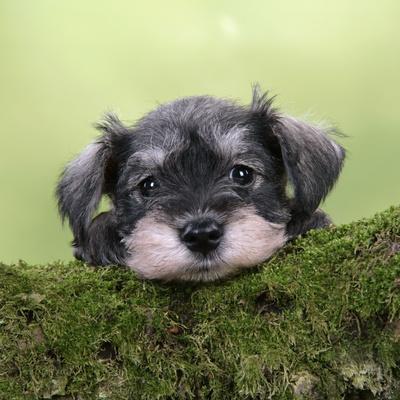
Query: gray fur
{"points": [[189, 147]]}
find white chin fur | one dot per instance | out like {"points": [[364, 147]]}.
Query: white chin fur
{"points": [[156, 252]]}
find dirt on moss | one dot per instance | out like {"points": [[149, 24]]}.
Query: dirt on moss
{"points": [[320, 320]]}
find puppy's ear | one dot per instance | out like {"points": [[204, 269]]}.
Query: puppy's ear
{"points": [[86, 178], [312, 160]]}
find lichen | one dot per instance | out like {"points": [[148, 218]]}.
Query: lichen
{"points": [[319, 320]]}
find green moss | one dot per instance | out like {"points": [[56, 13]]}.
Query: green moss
{"points": [[321, 320]]}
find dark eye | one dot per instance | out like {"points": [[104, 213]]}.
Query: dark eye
{"points": [[241, 174], [148, 186]]}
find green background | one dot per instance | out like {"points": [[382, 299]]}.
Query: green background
{"points": [[63, 63]]}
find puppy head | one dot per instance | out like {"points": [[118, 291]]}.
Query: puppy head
{"points": [[199, 186]]}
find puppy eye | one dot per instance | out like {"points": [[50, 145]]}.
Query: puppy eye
{"points": [[148, 186], [241, 174]]}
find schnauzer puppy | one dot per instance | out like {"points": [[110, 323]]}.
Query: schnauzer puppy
{"points": [[199, 188]]}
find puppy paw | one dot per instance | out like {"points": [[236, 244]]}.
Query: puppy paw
{"points": [[78, 253]]}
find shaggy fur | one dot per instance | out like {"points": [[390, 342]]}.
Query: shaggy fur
{"points": [[188, 149], [258, 240]]}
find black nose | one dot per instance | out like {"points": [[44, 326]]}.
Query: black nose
{"points": [[202, 236]]}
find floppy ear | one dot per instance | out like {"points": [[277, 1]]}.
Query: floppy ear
{"points": [[86, 178], [312, 160]]}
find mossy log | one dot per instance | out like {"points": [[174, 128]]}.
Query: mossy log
{"points": [[321, 320]]}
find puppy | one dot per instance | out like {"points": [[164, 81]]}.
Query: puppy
{"points": [[199, 188]]}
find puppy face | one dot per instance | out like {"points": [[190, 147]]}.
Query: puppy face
{"points": [[198, 188]]}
